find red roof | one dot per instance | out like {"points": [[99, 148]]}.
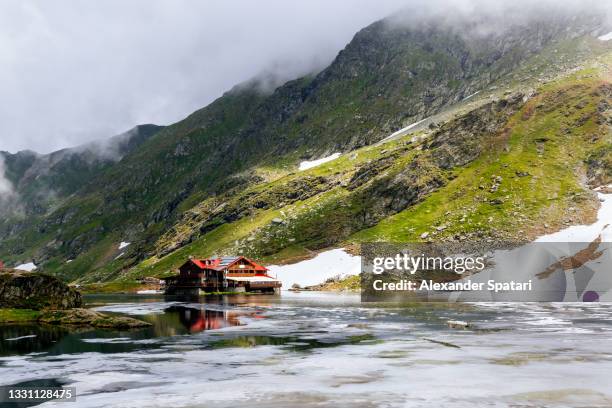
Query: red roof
{"points": [[219, 264]]}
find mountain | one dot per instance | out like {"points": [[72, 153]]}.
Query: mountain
{"points": [[43, 180], [511, 120]]}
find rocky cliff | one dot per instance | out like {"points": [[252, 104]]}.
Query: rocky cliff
{"points": [[36, 291]]}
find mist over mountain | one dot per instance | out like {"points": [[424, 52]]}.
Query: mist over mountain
{"points": [[30, 182], [92, 71], [482, 92]]}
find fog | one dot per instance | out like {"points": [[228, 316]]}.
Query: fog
{"points": [[72, 72]]}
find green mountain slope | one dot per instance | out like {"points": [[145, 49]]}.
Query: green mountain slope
{"points": [[43, 180], [509, 170], [225, 179]]}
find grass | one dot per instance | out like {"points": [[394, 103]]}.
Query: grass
{"points": [[535, 142], [116, 286], [214, 242], [18, 315], [348, 284]]}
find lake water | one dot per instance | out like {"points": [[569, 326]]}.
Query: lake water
{"points": [[321, 350]]}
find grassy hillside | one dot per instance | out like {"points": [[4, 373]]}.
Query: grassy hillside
{"points": [[531, 179], [519, 167], [503, 153]]}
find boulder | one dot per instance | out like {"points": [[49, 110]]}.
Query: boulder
{"points": [[37, 291], [458, 324]]}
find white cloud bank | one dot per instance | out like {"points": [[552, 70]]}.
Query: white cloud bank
{"points": [[72, 72]]}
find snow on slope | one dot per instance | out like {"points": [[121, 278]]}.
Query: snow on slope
{"points": [[587, 233], [314, 271], [305, 165], [606, 37], [402, 131], [335, 262], [28, 267], [470, 96]]}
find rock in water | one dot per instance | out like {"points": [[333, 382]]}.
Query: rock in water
{"points": [[36, 291], [458, 324], [86, 317]]}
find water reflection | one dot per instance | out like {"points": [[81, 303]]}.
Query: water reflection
{"points": [[175, 320], [28, 338], [315, 349], [200, 320]]}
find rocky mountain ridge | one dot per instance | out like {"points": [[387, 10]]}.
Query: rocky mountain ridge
{"points": [[226, 179]]}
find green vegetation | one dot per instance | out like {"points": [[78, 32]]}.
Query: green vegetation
{"points": [[225, 179], [87, 317], [527, 179], [541, 158], [18, 315], [347, 284]]}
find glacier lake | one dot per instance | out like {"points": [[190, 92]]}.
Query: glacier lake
{"points": [[317, 349]]}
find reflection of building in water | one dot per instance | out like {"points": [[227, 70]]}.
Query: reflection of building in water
{"points": [[196, 320], [227, 274]]}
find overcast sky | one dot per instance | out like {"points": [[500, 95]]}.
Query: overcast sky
{"points": [[74, 71]]}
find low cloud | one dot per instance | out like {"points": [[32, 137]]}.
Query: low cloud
{"points": [[72, 72], [6, 187], [486, 17], [9, 199]]}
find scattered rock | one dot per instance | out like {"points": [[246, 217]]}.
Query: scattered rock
{"points": [[458, 324], [424, 235]]}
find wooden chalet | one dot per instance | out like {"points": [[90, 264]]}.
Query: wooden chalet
{"points": [[226, 274]]}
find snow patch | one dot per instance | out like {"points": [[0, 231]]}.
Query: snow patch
{"points": [[123, 245], [587, 233], [28, 267], [120, 255], [149, 292], [315, 271], [469, 96], [305, 165], [606, 37], [401, 132]]}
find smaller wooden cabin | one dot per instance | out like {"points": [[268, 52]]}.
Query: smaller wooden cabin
{"points": [[225, 274]]}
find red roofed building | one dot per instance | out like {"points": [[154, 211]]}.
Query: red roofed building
{"points": [[226, 274]]}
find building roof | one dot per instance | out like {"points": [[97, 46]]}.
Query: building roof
{"points": [[222, 263]]}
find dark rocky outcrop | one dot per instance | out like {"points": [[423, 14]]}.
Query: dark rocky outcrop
{"points": [[36, 297], [36, 291]]}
